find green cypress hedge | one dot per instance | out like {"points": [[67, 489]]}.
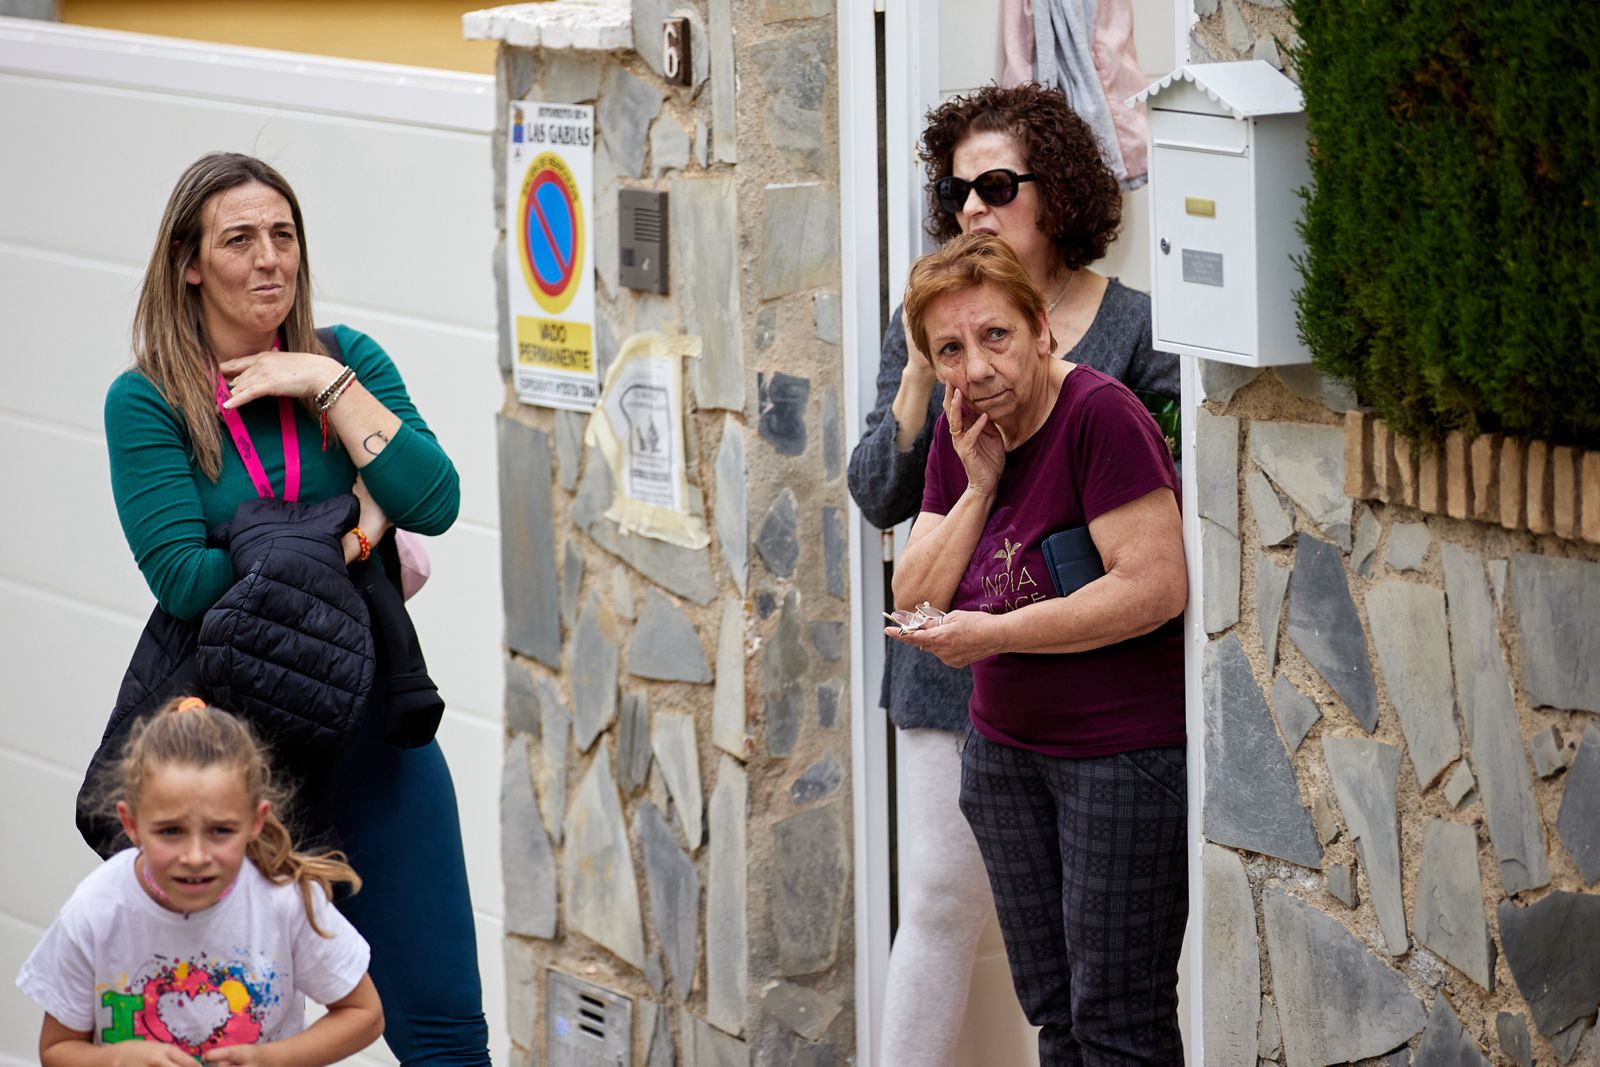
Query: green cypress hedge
{"points": [[1452, 233]]}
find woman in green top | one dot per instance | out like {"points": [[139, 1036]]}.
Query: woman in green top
{"points": [[232, 397]]}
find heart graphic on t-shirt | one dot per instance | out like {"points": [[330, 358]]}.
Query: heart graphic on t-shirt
{"points": [[192, 1019]]}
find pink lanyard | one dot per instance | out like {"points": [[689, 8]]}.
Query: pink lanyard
{"points": [[247, 448]]}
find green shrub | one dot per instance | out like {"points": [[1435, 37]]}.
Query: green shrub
{"points": [[1452, 232]]}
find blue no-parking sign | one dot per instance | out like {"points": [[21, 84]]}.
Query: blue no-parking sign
{"points": [[549, 253]]}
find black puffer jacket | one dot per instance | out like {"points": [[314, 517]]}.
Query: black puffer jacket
{"points": [[298, 645], [289, 646]]}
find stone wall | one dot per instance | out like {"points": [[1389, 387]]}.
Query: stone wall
{"points": [[675, 801], [1402, 771], [1401, 797], [1242, 29]]}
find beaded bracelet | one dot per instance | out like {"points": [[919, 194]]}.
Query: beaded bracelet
{"points": [[324, 399], [329, 396], [366, 546], [344, 383]]}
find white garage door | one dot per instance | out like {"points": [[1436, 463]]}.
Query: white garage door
{"points": [[392, 166]]}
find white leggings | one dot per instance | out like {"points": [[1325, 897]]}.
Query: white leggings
{"points": [[944, 904]]}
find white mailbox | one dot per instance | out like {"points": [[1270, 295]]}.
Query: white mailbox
{"points": [[1227, 161]]}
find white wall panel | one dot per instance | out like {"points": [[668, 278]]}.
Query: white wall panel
{"points": [[491, 934], [69, 329], [470, 743], [74, 548], [45, 856], [56, 704], [396, 217], [459, 617], [399, 224], [19, 1019], [417, 239]]}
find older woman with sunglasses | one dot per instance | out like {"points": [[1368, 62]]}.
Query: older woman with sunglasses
{"points": [[1019, 164]]}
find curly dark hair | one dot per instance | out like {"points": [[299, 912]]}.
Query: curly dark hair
{"points": [[1080, 200]]}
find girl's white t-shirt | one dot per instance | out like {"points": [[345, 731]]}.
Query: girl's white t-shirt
{"points": [[118, 964]]}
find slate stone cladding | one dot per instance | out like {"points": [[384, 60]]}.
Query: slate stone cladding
{"points": [[1402, 843], [676, 799]]}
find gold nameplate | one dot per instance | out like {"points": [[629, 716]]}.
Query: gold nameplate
{"points": [[1200, 205]]}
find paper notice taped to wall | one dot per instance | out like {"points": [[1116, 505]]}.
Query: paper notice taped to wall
{"points": [[638, 427]]}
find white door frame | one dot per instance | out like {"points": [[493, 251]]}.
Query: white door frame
{"points": [[911, 89], [859, 180]]}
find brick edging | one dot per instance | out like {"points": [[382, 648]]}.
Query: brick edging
{"points": [[1519, 484]]}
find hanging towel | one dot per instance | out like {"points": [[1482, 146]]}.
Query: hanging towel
{"points": [[1066, 53], [1016, 32], [1116, 60]]}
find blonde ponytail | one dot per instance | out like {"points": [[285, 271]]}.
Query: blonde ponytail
{"points": [[274, 856]]}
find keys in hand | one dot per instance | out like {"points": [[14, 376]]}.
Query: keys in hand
{"points": [[924, 615]]}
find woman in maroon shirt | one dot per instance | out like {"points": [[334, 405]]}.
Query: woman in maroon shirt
{"points": [[1073, 770]]}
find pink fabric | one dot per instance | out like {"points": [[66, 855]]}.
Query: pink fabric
{"points": [[1116, 61], [415, 566], [1016, 29]]}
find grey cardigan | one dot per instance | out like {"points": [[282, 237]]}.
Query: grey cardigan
{"points": [[919, 691]]}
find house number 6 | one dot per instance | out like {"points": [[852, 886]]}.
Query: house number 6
{"points": [[675, 63]]}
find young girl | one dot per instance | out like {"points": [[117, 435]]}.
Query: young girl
{"points": [[177, 949]]}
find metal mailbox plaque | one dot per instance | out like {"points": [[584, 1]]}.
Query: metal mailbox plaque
{"points": [[586, 1025]]}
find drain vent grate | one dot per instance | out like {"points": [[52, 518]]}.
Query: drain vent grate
{"points": [[586, 1025]]}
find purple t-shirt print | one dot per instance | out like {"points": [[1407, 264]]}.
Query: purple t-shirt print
{"points": [[1099, 449], [1006, 572]]}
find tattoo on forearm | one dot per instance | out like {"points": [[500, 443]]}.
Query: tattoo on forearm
{"points": [[374, 442]]}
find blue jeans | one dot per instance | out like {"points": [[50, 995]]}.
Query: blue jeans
{"points": [[395, 812]]}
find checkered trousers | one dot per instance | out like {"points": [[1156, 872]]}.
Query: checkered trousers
{"points": [[1086, 861]]}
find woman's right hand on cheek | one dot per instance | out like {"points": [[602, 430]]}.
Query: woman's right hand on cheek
{"points": [[978, 444]]}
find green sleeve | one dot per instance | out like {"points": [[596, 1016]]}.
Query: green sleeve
{"points": [[158, 503], [412, 479]]}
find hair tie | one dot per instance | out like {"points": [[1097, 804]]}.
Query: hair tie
{"points": [[190, 704]]}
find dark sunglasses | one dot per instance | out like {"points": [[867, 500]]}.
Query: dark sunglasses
{"points": [[994, 187]]}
